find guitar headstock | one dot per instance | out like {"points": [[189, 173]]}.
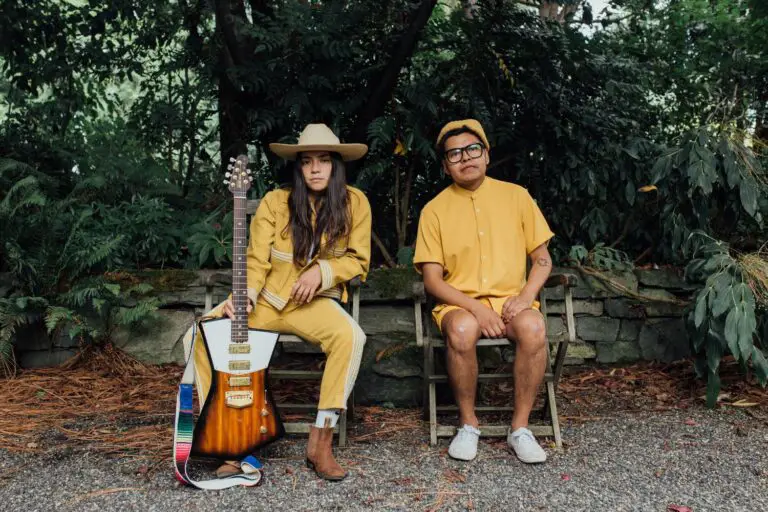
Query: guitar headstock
{"points": [[238, 175]]}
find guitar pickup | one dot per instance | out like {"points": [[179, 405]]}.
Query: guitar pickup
{"points": [[239, 348], [239, 365], [240, 381]]}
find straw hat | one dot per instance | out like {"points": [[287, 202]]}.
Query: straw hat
{"points": [[318, 137]]}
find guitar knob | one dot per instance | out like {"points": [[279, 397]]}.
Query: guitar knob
{"points": [[264, 412], [263, 430]]}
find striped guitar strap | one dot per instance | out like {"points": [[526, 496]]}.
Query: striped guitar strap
{"points": [[252, 470]]}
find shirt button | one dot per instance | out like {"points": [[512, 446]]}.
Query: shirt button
{"points": [[477, 210], [481, 233], [485, 280]]}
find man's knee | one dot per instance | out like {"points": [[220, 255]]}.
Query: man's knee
{"points": [[529, 331], [461, 331]]}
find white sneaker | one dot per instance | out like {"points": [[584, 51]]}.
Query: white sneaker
{"points": [[464, 444], [526, 447]]}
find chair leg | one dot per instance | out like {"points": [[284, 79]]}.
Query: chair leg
{"points": [[343, 429], [429, 369], [432, 414], [351, 407], [553, 413]]}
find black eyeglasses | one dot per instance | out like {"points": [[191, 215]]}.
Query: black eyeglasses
{"points": [[474, 150]]}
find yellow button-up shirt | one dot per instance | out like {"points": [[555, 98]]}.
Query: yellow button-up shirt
{"points": [[271, 272], [482, 237]]}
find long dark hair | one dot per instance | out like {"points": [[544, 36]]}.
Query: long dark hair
{"points": [[333, 215]]}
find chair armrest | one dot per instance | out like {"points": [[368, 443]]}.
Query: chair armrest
{"points": [[561, 279]]}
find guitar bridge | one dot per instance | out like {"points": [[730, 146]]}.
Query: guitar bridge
{"points": [[238, 399]]}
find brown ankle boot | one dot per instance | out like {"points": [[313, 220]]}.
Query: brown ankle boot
{"points": [[320, 456]]}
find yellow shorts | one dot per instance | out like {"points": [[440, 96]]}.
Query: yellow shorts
{"points": [[495, 303]]}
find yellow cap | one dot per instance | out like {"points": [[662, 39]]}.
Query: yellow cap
{"points": [[471, 124]]}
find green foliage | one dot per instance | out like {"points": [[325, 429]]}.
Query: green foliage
{"points": [[600, 257], [211, 241], [724, 316]]}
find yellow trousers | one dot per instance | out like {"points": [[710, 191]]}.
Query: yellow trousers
{"points": [[322, 322]]}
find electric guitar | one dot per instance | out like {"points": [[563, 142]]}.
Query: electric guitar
{"points": [[238, 415]]}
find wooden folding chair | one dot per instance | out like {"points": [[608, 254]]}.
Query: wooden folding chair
{"points": [[353, 308], [430, 342]]}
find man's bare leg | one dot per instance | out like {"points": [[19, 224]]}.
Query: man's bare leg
{"points": [[528, 330], [462, 332]]}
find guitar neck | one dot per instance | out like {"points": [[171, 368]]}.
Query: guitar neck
{"points": [[239, 272]]}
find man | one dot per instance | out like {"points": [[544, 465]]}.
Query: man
{"points": [[471, 250]]}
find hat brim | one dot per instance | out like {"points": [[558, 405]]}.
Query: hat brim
{"points": [[348, 152]]}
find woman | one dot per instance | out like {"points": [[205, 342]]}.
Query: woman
{"points": [[306, 241]]}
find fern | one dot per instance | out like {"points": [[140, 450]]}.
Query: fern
{"points": [[56, 315], [143, 311]]}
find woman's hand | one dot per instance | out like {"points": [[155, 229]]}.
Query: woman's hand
{"points": [[306, 285], [229, 308]]}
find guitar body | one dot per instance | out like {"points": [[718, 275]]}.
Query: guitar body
{"points": [[239, 414]]}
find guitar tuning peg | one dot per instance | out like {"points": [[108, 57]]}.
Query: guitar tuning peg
{"points": [[250, 180], [230, 167], [232, 159], [226, 182], [248, 171], [227, 174]]}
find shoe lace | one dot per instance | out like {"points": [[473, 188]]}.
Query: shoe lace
{"points": [[525, 435], [465, 433]]}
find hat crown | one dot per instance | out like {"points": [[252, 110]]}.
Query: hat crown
{"points": [[317, 134]]}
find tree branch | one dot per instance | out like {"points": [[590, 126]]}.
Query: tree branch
{"points": [[384, 252], [384, 85]]}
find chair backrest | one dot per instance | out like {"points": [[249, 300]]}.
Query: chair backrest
{"points": [[251, 206]]}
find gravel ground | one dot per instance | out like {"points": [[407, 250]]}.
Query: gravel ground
{"points": [[706, 460]]}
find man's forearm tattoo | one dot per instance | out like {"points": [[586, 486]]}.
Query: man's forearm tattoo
{"points": [[544, 262]]}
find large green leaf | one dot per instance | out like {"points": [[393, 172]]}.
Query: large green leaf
{"points": [[747, 326], [760, 364], [714, 349], [113, 288], [725, 297], [732, 330], [701, 309], [713, 389], [748, 193]]}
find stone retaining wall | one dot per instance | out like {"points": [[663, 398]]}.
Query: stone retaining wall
{"points": [[610, 327]]}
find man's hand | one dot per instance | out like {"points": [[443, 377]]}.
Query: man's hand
{"points": [[513, 306], [490, 322], [306, 285], [229, 308]]}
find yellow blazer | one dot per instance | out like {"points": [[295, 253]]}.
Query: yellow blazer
{"points": [[271, 272]]}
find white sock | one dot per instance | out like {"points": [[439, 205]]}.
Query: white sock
{"points": [[327, 414]]}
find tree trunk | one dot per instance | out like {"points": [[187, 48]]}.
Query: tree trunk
{"points": [[382, 88]]}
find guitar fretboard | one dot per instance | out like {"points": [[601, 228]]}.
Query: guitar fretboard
{"points": [[239, 272]]}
